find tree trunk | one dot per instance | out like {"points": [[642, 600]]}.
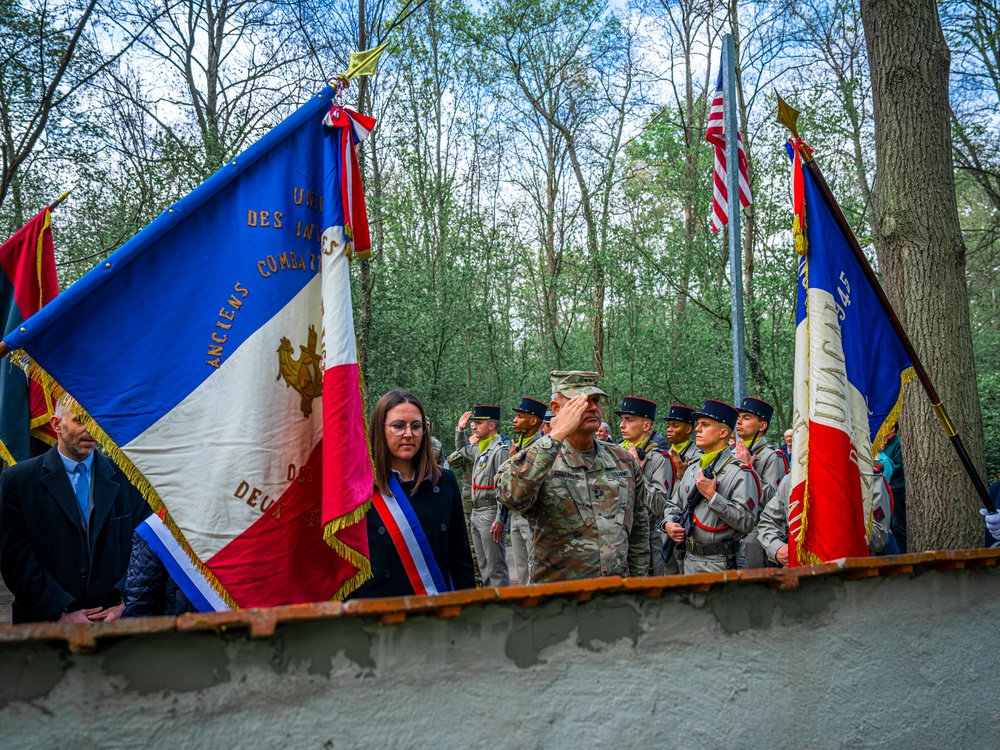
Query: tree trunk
{"points": [[917, 228]]}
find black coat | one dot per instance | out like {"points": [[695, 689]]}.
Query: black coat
{"points": [[49, 561], [149, 587], [439, 510]]}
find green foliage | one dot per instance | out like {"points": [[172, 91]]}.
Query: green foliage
{"points": [[530, 156]]}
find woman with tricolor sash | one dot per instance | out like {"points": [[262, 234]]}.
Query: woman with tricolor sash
{"points": [[417, 539]]}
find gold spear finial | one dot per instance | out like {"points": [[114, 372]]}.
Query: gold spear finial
{"points": [[61, 198], [363, 63], [787, 116]]}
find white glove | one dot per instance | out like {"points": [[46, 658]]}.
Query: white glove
{"points": [[992, 522]]}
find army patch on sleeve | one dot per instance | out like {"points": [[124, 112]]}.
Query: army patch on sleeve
{"points": [[879, 514], [750, 503]]}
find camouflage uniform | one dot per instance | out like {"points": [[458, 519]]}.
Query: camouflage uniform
{"points": [[438, 451], [717, 526], [586, 514], [485, 509], [462, 469], [771, 467]]}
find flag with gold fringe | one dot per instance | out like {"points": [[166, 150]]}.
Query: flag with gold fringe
{"points": [[850, 370], [214, 355], [27, 283]]}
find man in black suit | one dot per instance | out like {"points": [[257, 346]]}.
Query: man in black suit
{"points": [[66, 523]]}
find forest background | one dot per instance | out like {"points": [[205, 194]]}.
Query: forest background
{"points": [[539, 184]]}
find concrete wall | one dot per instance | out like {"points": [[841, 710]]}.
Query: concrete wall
{"points": [[908, 661]]}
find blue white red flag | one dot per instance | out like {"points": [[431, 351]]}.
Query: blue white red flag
{"points": [[409, 539], [215, 357], [850, 369], [716, 135]]}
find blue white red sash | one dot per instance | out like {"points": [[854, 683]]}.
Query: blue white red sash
{"points": [[411, 543], [178, 563]]}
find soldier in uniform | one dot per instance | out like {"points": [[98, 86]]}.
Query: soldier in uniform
{"points": [[528, 416], [582, 497], [638, 415], [773, 525], [683, 451], [725, 498], [462, 468], [680, 426], [488, 517], [436, 448], [769, 464], [546, 421]]}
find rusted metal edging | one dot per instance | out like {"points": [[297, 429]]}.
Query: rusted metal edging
{"points": [[261, 623]]}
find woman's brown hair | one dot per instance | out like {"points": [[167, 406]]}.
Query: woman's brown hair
{"points": [[423, 462]]}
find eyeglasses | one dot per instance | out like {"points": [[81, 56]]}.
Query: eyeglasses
{"points": [[399, 428]]}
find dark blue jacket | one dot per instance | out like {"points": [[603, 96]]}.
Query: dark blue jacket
{"points": [[50, 560], [149, 588]]}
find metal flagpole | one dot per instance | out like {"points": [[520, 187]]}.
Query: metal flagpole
{"points": [[729, 105]]}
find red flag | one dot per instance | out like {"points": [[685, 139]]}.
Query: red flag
{"points": [[28, 282]]}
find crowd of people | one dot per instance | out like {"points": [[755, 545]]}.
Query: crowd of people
{"points": [[709, 493]]}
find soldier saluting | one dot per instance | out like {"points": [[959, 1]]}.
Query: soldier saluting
{"points": [[683, 452], [680, 426], [753, 449], [722, 493], [488, 518], [582, 497], [528, 416]]}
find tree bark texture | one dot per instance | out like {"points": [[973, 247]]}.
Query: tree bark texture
{"points": [[924, 263]]}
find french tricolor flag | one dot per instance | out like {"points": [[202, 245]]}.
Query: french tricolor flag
{"points": [[850, 369], [214, 354]]}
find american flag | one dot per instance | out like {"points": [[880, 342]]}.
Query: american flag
{"points": [[717, 137]]}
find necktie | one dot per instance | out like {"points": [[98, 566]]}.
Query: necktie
{"points": [[82, 489]]}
